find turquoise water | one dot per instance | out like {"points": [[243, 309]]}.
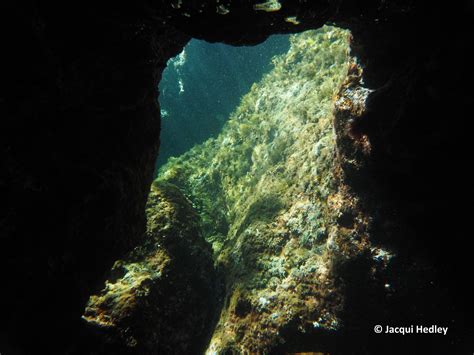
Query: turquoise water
{"points": [[203, 85]]}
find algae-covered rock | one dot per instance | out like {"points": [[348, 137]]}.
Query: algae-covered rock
{"points": [[271, 203], [161, 297]]}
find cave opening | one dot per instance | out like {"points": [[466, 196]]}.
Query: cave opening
{"points": [[241, 214]]}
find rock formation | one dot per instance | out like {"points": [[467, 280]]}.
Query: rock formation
{"points": [[162, 297]]}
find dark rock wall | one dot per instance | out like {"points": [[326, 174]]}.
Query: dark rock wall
{"points": [[412, 179], [80, 129], [79, 137]]}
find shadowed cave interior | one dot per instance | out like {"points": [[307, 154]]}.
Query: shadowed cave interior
{"points": [[79, 141]]}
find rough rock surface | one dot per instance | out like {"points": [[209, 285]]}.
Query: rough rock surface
{"points": [[79, 137], [161, 298]]}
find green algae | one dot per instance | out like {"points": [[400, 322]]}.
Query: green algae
{"points": [[262, 190]]}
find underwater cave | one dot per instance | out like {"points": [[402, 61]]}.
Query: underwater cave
{"points": [[240, 177]]}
